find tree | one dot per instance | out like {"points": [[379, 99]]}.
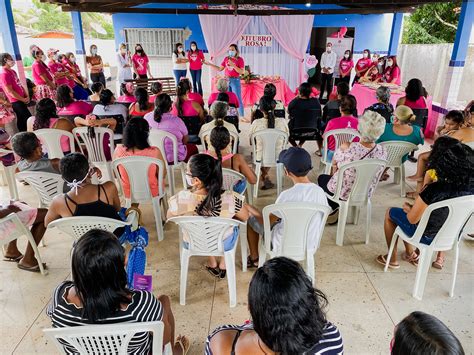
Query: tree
{"points": [[432, 23]]}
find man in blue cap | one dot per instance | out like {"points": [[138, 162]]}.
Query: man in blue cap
{"points": [[297, 162]]}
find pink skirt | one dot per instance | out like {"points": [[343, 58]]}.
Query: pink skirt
{"points": [[44, 91]]}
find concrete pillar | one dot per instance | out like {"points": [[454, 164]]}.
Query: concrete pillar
{"points": [[458, 56], [79, 42], [9, 37], [395, 33]]}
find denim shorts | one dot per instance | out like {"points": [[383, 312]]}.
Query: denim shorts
{"points": [[229, 242], [399, 217]]}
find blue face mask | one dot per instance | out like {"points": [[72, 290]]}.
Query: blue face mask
{"points": [[232, 53], [392, 118]]}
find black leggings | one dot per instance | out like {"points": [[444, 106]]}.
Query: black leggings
{"points": [[22, 114], [323, 181], [98, 78]]}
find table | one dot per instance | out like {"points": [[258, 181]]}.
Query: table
{"points": [[366, 97], [253, 91]]}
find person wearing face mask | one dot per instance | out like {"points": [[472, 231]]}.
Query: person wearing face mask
{"points": [[392, 71], [328, 63], [234, 66], [196, 59], [179, 62], [60, 73], [141, 63], [124, 66], [42, 77], [345, 67], [375, 58], [80, 89], [15, 93], [362, 66], [95, 66]]}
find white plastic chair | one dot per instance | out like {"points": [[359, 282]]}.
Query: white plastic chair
{"points": [[137, 168], [367, 171], [296, 218], [77, 226], [447, 238], [95, 146], [205, 235], [346, 135], [106, 339], [11, 228], [157, 139], [46, 185], [234, 137], [269, 139], [230, 177], [396, 150], [8, 176], [51, 138]]}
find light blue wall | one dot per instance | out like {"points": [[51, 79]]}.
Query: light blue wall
{"points": [[371, 31]]}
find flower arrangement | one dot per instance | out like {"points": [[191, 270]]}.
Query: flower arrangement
{"points": [[248, 75]]}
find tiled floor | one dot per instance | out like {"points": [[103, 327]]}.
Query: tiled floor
{"points": [[364, 302]]}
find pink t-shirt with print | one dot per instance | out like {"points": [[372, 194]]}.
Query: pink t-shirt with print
{"points": [[56, 67], [195, 60], [140, 63], [349, 122], [76, 108], [229, 70]]}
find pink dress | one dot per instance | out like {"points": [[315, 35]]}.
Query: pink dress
{"points": [[42, 90], [343, 122], [122, 152]]}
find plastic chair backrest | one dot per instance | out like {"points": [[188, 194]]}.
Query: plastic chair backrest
{"points": [[345, 135], [51, 138], [396, 150], [229, 178], [460, 210], [192, 123], [234, 137], [11, 228], [137, 168], [157, 139], [296, 219], [95, 144], [46, 185], [105, 339], [367, 174], [269, 138], [205, 234], [77, 226], [421, 117]]}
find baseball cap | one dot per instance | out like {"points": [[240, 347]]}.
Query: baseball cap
{"points": [[296, 161], [52, 51]]}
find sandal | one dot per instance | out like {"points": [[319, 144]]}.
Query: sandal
{"points": [[214, 271], [222, 274], [438, 263], [252, 263], [35, 268], [382, 259], [267, 184], [183, 342], [13, 259], [412, 259]]}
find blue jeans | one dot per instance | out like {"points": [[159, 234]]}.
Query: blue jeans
{"points": [[196, 76], [178, 74], [80, 93], [399, 217], [236, 88]]}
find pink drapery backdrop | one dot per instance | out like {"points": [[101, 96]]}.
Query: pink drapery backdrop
{"points": [[291, 32]]}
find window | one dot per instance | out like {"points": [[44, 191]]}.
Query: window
{"points": [[157, 42]]}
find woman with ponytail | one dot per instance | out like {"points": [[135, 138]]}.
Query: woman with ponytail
{"points": [[206, 198], [218, 112], [184, 106], [267, 107], [161, 118], [141, 106]]}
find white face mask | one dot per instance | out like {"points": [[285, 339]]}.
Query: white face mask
{"points": [[389, 63], [193, 48], [366, 55], [54, 57], [94, 51], [73, 59], [189, 180], [346, 56], [123, 50], [328, 49], [180, 49]]}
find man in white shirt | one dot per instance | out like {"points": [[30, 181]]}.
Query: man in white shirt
{"points": [[297, 162], [328, 63]]}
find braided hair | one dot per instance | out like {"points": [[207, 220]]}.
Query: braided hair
{"points": [[220, 138]]}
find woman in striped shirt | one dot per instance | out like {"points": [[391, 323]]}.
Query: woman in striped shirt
{"points": [[287, 317], [99, 295]]}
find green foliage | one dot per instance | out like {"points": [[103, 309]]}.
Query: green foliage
{"points": [[44, 17], [432, 23]]}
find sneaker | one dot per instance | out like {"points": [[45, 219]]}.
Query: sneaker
{"points": [[333, 217]]}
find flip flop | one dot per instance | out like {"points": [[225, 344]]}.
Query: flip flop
{"points": [[35, 268], [438, 263], [382, 259], [214, 271], [412, 259], [14, 259], [252, 263], [267, 185], [183, 342], [222, 274]]}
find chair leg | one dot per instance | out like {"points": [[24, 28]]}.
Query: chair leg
{"points": [[397, 175], [171, 183], [184, 276], [341, 224], [355, 214], [424, 263], [455, 268], [310, 268], [183, 175], [327, 168], [368, 220], [257, 172], [32, 242], [158, 219], [262, 252], [250, 188], [279, 178], [243, 247], [11, 181], [229, 257], [390, 251]]}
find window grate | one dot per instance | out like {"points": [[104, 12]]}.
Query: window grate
{"points": [[157, 42]]}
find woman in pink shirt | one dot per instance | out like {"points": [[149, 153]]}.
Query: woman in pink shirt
{"points": [[346, 121], [127, 96], [233, 66], [42, 77], [196, 59], [15, 93], [60, 73], [363, 64], [80, 87], [414, 95], [70, 107], [345, 67], [141, 63], [194, 96], [392, 72], [222, 86]]}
